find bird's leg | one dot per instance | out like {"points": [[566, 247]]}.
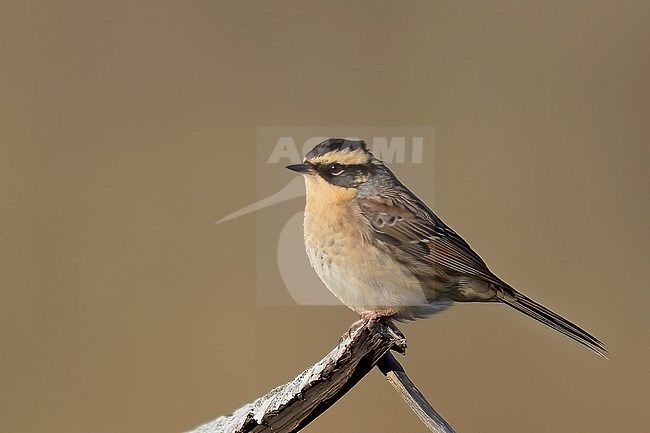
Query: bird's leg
{"points": [[383, 316]]}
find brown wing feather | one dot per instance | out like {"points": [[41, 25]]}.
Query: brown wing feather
{"points": [[405, 223]]}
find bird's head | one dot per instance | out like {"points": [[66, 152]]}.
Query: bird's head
{"points": [[337, 163]]}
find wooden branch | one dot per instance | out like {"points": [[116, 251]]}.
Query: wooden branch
{"points": [[290, 407], [397, 377]]}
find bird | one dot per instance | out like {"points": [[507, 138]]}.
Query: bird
{"points": [[386, 255]]}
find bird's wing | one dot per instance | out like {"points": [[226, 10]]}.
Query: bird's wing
{"points": [[404, 222]]}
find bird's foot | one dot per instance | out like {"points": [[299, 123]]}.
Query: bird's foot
{"points": [[385, 317], [372, 315]]}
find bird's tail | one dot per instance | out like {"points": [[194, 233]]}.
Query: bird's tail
{"points": [[522, 303]]}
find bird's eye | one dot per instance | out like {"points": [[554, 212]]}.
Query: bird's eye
{"points": [[335, 169]]}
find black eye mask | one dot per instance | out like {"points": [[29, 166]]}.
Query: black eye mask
{"points": [[349, 176]]}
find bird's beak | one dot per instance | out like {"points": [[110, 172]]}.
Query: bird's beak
{"points": [[303, 168]]}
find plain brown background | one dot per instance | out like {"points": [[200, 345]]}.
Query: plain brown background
{"points": [[128, 128]]}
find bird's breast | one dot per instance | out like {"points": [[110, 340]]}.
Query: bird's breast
{"points": [[351, 263]]}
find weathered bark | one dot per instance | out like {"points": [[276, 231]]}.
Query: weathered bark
{"points": [[290, 407]]}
